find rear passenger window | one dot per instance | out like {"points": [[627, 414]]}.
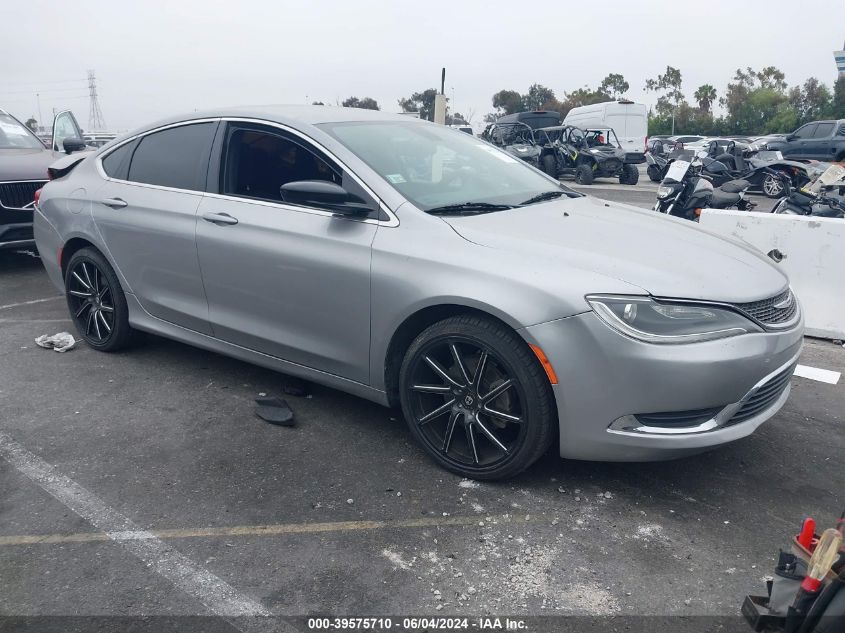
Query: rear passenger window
{"points": [[116, 164], [177, 157], [824, 130]]}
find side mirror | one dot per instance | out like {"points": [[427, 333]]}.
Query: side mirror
{"points": [[324, 194], [789, 137], [71, 145]]}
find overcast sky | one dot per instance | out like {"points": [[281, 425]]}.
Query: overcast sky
{"points": [[155, 58]]}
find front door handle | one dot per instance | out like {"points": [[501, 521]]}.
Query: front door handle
{"points": [[219, 218], [114, 203]]}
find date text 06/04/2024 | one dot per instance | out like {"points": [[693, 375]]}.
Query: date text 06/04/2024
{"points": [[416, 623]]}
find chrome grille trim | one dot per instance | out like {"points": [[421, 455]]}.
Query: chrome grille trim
{"points": [[19, 195]]}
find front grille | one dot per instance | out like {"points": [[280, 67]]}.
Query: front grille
{"points": [[611, 164], [765, 311], [764, 396], [17, 195]]}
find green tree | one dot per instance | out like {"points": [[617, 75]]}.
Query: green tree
{"points": [[705, 96], [422, 102], [837, 106], [669, 84], [755, 101], [32, 124], [614, 85], [508, 102], [811, 101], [536, 96], [367, 103]]}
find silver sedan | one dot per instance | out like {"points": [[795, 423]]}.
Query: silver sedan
{"points": [[414, 265]]}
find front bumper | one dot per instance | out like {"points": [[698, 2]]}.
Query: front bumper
{"points": [[606, 379]]}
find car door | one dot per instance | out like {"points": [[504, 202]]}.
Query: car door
{"points": [[799, 142], [64, 127], [821, 144], [146, 213], [287, 280]]}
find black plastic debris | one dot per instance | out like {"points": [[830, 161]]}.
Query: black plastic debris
{"points": [[274, 410], [293, 386]]}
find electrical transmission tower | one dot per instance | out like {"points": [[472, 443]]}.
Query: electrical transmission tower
{"points": [[95, 115]]}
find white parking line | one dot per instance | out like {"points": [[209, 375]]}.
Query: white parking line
{"points": [[217, 595], [814, 373], [29, 303]]}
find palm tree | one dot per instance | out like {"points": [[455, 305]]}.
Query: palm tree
{"points": [[705, 96]]}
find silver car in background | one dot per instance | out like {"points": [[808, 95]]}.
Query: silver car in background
{"points": [[414, 265]]}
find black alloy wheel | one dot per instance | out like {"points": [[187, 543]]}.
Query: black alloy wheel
{"points": [[470, 402], [96, 301]]}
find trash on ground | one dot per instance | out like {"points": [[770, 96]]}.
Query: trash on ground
{"points": [[61, 342], [274, 410]]}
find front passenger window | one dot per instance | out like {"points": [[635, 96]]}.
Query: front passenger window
{"points": [[258, 163]]}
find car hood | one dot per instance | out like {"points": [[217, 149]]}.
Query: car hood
{"points": [[26, 164], [664, 256]]}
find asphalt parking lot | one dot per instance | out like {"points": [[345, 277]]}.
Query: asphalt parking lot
{"points": [[142, 483]]}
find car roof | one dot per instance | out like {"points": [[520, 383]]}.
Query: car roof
{"points": [[286, 114]]}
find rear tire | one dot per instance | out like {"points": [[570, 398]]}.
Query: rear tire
{"points": [[630, 175], [584, 174], [445, 400], [96, 301], [654, 173], [550, 165]]}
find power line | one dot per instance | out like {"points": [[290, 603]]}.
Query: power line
{"points": [[41, 83], [38, 90]]}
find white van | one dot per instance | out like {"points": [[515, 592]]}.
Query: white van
{"points": [[628, 119]]}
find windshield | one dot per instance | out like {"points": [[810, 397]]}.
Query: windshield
{"points": [[434, 166], [13, 135]]}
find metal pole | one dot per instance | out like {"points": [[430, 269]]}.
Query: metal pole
{"points": [[40, 120]]}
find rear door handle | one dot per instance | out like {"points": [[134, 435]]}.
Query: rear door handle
{"points": [[114, 203], [219, 218]]}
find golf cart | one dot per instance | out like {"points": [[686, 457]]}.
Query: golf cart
{"points": [[586, 154], [517, 139]]}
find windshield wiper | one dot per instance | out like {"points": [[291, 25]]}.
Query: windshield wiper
{"points": [[550, 195], [469, 208]]}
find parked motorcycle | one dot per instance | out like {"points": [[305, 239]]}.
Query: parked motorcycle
{"points": [[687, 189], [764, 170], [824, 197]]}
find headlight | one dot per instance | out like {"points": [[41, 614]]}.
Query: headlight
{"points": [[594, 151], [664, 322], [663, 191]]}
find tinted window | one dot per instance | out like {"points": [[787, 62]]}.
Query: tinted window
{"points": [[823, 130], [116, 164], [258, 161], [805, 131], [177, 157]]}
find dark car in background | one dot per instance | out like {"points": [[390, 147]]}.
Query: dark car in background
{"points": [[818, 140], [23, 170], [535, 119]]}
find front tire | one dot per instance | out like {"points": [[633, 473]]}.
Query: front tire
{"points": [[476, 398], [654, 173], [630, 175], [96, 301], [584, 174]]}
